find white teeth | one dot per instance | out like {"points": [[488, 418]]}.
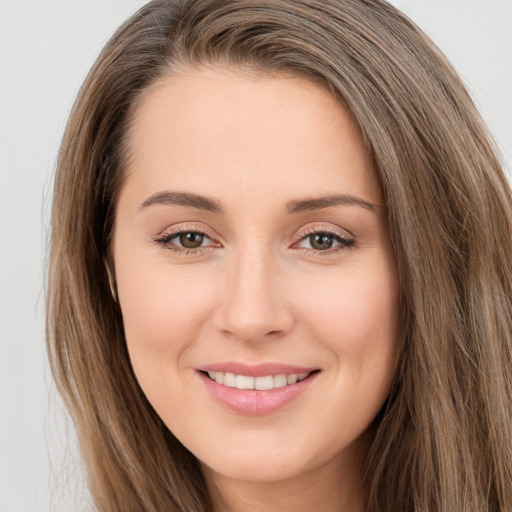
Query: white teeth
{"points": [[264, 383], [280, 381], [291, 379], [229, 379], [259, 383], [244, 382]]}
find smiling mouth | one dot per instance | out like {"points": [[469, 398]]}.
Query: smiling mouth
{"points": [[263, 383]]}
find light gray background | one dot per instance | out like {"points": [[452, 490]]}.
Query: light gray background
{"points": [[46, 49]]}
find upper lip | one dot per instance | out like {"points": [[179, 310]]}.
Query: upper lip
{"points": [[257, 370]]}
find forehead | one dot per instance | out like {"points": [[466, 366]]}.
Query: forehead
{"points": [[204, 129]]}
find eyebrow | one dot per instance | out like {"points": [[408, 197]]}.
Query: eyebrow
{"points": [[184, 199], [213, 205], [317, 203]]}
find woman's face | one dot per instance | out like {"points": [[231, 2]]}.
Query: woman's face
{"points": [[251, 247]]}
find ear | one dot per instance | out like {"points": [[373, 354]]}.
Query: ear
{"points": [[111, 281]]}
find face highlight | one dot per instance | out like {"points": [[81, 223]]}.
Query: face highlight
{"points": [[255, 274]]}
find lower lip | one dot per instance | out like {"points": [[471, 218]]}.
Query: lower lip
{"points": [[254, 402]]}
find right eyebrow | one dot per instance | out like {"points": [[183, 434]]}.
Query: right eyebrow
{"points": [[183, 199]]}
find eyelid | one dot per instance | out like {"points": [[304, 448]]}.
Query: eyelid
{"points": [[323, 228], [164, 240], [344, 242], [185, 228]]}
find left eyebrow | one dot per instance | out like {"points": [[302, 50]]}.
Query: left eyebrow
{"points": [[317, 203]]}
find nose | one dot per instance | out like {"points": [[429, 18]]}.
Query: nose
{"points": [[254, 305]]}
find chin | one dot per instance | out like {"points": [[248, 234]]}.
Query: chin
{"points": [[266, 460], [258, 469]]}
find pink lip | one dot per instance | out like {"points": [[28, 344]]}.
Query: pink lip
{"points": [[254, 402], [258, 370]]}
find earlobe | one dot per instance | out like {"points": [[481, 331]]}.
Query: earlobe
{"points": [[111, 282]]}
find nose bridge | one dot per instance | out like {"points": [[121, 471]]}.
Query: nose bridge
{"points": [[254, 304]]}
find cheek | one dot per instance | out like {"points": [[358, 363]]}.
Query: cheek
{"points": [[356, 309], [356, 316], [156, 310], [164, 310]]}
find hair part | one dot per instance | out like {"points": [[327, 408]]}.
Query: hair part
{"points": [[443, 440]]}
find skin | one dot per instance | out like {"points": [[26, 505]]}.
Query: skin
{"points": [[258, 290]]}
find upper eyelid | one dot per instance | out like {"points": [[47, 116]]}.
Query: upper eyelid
{"points": [[340, 232], [186, 228]]}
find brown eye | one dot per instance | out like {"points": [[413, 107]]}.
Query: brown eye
{"points": [[187, 242], [321, 241], [324, 242], [191, 240]]}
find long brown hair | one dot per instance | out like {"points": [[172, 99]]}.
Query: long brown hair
{"points": [[443, 440]]}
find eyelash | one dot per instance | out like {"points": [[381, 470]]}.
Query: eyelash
{"points": [[164, 240], [344, 243]]}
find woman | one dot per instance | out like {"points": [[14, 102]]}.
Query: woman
{"points": [[279, 276]]}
